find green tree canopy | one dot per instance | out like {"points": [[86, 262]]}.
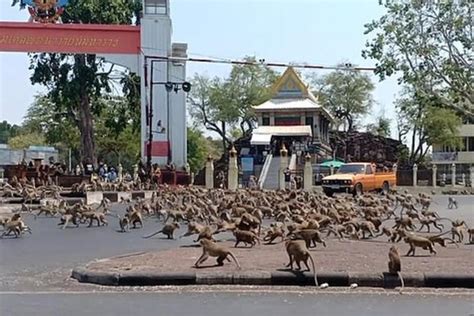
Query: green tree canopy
{"points": [[430, 44], [23, 141], [381, 127], [347, 94], [426, 125], [219, 105], [76, 82], [7, 131]]}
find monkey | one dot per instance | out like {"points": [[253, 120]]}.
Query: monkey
{"points": [[298, 252], [427, 213], [273, 233], [135, 217], [206, 233], [47, 210], [66, 218], [210, 248], [309, 235], [457, 231], [168, 230], [124, 223], [395, 265], [97, 216], [247, 237], [15, 225], [452, 203], [193, 228], [470, 231], [424, 221], [337, 230], [441, 240], [418, 241], [404, 222]]}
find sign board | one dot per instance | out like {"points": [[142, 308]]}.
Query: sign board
{"points": [[247, 164]]}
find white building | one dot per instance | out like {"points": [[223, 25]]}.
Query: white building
{"points": [[462, 159]]}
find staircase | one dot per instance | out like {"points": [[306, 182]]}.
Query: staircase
{"points": [[271, 180]]}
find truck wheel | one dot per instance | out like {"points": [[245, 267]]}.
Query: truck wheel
{"points": [[385, 188], [358, 190], [329, 193]]}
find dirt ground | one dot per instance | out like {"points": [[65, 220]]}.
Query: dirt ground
{"points": [[339, 256]]}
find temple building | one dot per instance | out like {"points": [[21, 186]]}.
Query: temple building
{"points": [[292, 117]]}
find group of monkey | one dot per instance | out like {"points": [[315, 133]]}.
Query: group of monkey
{"points": [[298, 218]]}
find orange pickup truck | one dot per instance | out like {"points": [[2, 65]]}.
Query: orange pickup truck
{"points": [[357, 178]]}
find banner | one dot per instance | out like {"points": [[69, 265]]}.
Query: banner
{"points": [[69, 38]]}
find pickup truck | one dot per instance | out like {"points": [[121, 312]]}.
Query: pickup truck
{"points": [[357, 178]]}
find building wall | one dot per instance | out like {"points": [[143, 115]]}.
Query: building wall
{"points": [[465, 155], [169, 108], [13, 157]]}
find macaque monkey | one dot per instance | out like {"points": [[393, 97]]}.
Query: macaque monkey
{"points": [[298, 252], [309, 235], [452, 203], [247, 237], [66, 218], [418, 241], [168, 230], [210, 248], [15, 225], [395, 265], [124, 223], [273, 233]]}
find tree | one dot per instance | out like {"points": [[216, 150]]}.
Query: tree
{"points": [[427, 125], [75, 82], [7, 131], [430, 44], [197, 152], [23, 141], [381, 127], [346, 93], [219, 105]]}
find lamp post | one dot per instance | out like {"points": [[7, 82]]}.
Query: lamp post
{"points": [[170, 86]]}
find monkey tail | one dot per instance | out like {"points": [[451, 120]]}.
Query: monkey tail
{"points": [[235, 260], [314, 270], [160, 231], [401, 281]]}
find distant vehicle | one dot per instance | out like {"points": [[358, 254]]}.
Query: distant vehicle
{"points": [[320, 172], [357, 178]]}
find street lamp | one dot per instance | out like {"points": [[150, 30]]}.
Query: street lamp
{"points": [[169, 86]]}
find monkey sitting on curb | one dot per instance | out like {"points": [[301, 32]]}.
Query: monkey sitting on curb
{"points": [[210, 248], [395, 265]]}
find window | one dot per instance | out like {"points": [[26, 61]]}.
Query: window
{"points": [[470, 144], [309, 121], [155, 7], [368, 169], [265, 121]]}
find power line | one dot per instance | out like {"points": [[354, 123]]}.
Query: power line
{"points": [[262, 62]]}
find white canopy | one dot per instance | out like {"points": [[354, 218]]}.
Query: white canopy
{"points": [[263, 134], [260, 139]]}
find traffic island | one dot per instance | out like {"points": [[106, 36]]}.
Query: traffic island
{"points": [[342, 263]]}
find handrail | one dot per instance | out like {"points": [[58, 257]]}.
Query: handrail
{"points": [[264, 172], [292, 165]]}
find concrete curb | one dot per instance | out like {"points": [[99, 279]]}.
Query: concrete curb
{"points": [[382, 280]]}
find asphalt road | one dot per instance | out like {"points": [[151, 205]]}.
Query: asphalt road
{"points": [[229, 304], [50, 247]]}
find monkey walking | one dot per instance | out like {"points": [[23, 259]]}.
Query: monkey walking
{"points": [[124, 223], [210, 248], [395, 265], [298, 252], [167, 230], [452, 203]]}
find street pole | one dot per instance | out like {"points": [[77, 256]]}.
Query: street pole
{"points": [[150, 119]]}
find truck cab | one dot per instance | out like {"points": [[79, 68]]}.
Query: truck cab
{"points": [[357, 178]]}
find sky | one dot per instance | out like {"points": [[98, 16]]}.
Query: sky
{"points": [[324, 32]]}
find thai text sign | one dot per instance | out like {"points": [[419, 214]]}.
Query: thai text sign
{"points": [[69, 38]]}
